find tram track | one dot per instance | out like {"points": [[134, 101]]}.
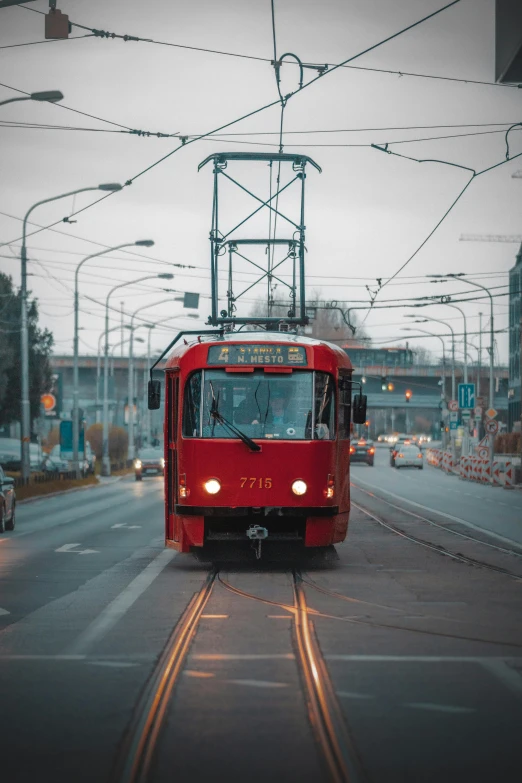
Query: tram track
{"points": [[137, 751], [441, 550]]}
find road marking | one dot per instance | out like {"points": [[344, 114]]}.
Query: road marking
{"points": [[447, 516], [114, 664], [348, 695], [125, 525], [259, 683], [503, 672], [447, 708], [214, 616], [481, 660], [42, 657], [279, 616], [117, 608], [71, 548], [3, 611], [239, 657]]}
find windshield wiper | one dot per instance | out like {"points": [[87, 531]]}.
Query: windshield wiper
{"points": [[220, 419]]}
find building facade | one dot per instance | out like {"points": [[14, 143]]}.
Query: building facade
{"points": [[515, 342]]}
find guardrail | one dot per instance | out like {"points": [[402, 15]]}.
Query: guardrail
{"points": [[43, 478]]}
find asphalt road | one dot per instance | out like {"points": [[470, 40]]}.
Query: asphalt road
{"points": [[424, 650]]}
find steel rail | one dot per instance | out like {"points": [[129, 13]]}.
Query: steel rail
{"points": [[437, 524], [323, 708], [137, 752], [437, 547]]}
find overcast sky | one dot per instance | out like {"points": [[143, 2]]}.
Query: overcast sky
{"points": [[366, 213]]}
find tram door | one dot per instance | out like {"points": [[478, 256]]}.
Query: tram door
{"points": [[171, 454]]}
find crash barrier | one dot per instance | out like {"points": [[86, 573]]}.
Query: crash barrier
{"points": [[43, 478], [509, 477], [499, 473]]}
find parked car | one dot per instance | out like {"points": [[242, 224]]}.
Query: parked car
{"points": [[363, 451], [52, 463], [11, 457], [7, 502], [150, 462], [409, 456], [87, 463]]}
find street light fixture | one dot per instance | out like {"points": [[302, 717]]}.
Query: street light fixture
{"points": [[76, 393], [438, 321], [491, 350], [26, 407], [106, 462], [51, 96]]}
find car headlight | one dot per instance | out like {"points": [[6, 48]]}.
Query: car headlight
{"points": [[212, 486], [299, 487], [137, 464]]}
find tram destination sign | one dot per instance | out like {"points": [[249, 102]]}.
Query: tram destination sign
{"points": [[257, 353]]}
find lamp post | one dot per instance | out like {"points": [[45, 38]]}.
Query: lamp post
{"points": [[76, 393], [131, 368], [443, 387], [491, 348], [50, 96], [438, 321], [98, 367], [106, 462], [26, 407], [461, 311]]}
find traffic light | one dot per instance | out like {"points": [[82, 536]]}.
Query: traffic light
{"points": [[384, 383], [408, 395], [390, 386]]}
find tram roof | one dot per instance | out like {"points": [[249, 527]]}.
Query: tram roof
{"points": [[282, 338]]}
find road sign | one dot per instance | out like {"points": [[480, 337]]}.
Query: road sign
{"points": [[491, 427], [481, 401], [454, 416], [48, 401], [478, 412], [465, 415], [491, 413], [483, 452], [453, 405], [454, 425], [466, 396]]}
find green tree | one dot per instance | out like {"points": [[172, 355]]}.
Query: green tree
{"points": [[40, 346]]}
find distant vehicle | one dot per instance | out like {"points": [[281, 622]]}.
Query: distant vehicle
{"points": [[11, 457], [382, 438], [7, 502], [52, 463], [400, 440], [362, 451], [150, 462], [409, 456], [87, 463]]}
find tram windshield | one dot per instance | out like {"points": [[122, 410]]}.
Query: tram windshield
{"points": [[261, 405]]}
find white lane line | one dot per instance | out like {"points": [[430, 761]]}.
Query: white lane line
{"points": [[482, 660], [125, 525], [446, 708], [348, 695], [117, 608], [42, 657], [447, 516], [114, 664], [3, 611], [503, 672], [239, 657], [259, 683]]}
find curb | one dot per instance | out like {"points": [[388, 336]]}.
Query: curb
{"points": [[67, 491]]}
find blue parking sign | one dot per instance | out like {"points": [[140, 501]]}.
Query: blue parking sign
{"points": [[466, 396]]}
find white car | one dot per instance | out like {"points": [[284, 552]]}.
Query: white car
{"points": [[409, 456]]}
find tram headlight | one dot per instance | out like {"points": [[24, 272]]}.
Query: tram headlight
{"points": [[299, 487], [163, 462], [212, 486]]}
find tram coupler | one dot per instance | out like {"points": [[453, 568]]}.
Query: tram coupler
{"points": [[257, 534]]}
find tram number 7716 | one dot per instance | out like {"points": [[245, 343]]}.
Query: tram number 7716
{"points": [[260, 483]]}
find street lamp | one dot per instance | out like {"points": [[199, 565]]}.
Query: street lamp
{"points": [[443, 388], [51, 96], [438, 321], [131, 368], [106, 462], [491, 348], [76, 393], [463, 314], [26, 408]]}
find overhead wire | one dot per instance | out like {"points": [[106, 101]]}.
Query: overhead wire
{"points": [[105, 34]]}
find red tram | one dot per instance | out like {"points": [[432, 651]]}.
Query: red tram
{"points": [[257, 429]]}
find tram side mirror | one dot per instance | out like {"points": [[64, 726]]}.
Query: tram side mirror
{"points": [[154, 395], [359, 408]]}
